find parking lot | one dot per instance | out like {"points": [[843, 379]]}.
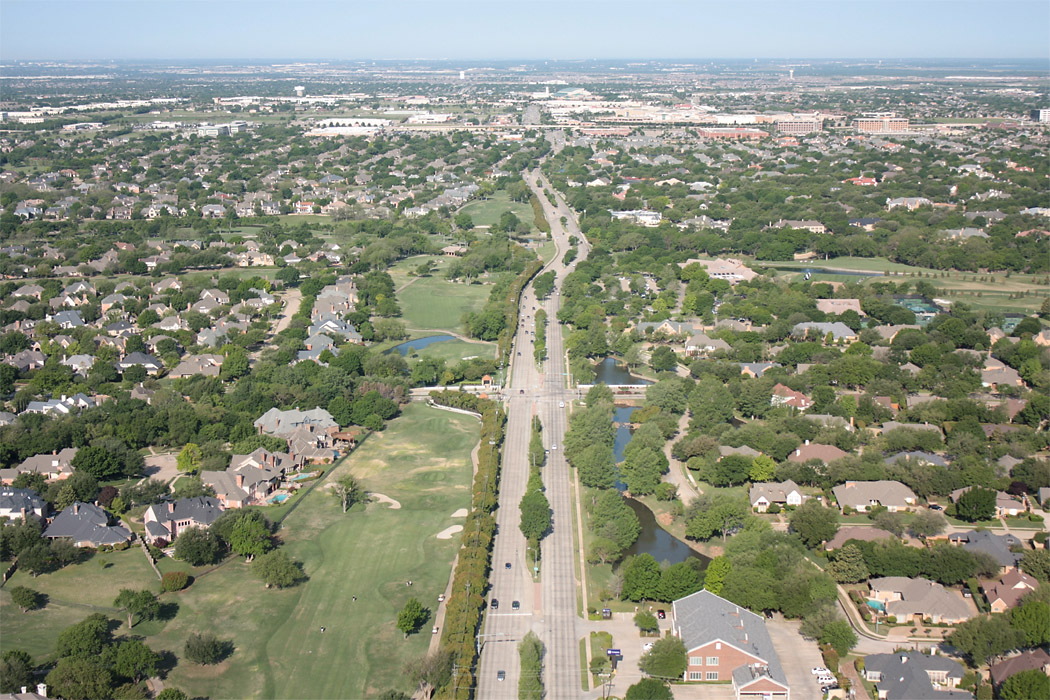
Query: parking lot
{"points": [[797, 656]]}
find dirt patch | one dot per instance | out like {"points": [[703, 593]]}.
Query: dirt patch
{"points": [[448, 532], [665, 519], [383, 498], [461, 513]]}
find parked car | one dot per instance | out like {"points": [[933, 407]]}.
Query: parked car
{"points": [[441, 597], [515, 605], [647, 646], [662, 614], [819, 670], [435, 630]]}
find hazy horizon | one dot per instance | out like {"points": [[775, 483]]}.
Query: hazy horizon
{"points": [[527, 30]]}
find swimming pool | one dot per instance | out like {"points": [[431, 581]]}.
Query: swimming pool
{"points": [[303, 477], [279, 498]]}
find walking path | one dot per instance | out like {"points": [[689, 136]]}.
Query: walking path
{"points": [[678, 474]]}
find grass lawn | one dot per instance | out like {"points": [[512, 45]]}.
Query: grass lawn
{"points": [[434, 303], [422, 460], [486, 212]]}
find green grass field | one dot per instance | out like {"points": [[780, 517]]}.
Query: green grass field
{"points": [[433, 303], [486, 212], [422, 460]]}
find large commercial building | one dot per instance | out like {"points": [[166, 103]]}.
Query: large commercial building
{"points": [[881, 123], [799, 125], [1041, 115]]}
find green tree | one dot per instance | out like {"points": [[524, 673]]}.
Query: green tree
{"points": [[927, 523], [722, 516], [16, 670], [141, 603], [36, 559], [25, 598], [430, 671], [133, 659], [1033, 618], [983, 638], [646, 622], [839, 635], [1036, 563], [85, 638], [976, 504], [277, 570], [99, 463], [80, 679], [678, 580], [649, 689], [596, 466], [663, 359], [189, 459], [205, 648], [530, 653], [848, 566], [535, 515], [1032, 684], [667, 659], [171, 693], [348, 491], [715, 576], [613, 519], [814, 523], [763, 468], [641, 578], [250, 537], [198, 547], [411, 616]]}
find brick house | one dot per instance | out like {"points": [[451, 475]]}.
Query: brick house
{"points": [[728, 643]]}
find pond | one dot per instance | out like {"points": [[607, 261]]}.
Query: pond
{"points": [[610, 371], [622, 418], [659, 542], [410, 346]]}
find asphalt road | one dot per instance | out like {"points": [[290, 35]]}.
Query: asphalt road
{"points": [[547, 607]]}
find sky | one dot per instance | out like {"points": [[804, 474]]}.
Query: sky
{"points": [[522, 29]]}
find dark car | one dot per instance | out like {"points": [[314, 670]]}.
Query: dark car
{"points": [[501, 675], [934, 506], [515, 605], [507, 565], [662, 614], [494, 604]]}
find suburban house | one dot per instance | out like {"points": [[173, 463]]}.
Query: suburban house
{"points": [[861, 495], [728, 269], [808, 451], [206, 364], [1005, 549], [919, 457], [726, 642], [87, 525], [1008, 591], [786, 396], [150, 363], [862, 534], [281, 423], [166, 521], [839, 306], [919, 598], [57, 465], [19, 504], [912, 675], [1026, 661], [245, 486], [786, 493], [755, 369], [700, 344], [839, 332], [1005, 504]]}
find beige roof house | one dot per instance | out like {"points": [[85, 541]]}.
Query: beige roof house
{"points": [[825, 453], [861, 495], [839, 306], [761, 496], [57, 465], [1008, 591], [919, 598]]}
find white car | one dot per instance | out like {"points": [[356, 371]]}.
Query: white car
{"points": [[554, 447], [820, 671], [647, 646], [561, 404]]}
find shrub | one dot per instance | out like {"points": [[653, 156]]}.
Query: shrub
{"points": [[773, 508], [205, 648], [174, 581]]}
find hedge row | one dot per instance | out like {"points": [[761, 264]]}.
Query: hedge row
{"points": [[537, 214], [470, 582], [510, 307], [540, 349]]}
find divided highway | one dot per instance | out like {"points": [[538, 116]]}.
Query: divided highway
{"points": [[546, 605]]}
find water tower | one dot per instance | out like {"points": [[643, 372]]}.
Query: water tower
{"points": [[300, 91]]}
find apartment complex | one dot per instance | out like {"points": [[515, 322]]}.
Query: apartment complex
{"points": [[881, 123]]}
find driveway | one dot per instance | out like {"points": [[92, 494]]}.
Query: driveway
{"points": [[797, 656]]}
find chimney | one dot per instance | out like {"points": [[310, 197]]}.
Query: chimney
{"points": [[76, 507], [171, 507], [798, 453], [807, 442], [41, 689], [240, 480], [851, 421]]}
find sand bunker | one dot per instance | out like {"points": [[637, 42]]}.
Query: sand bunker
{"points": [[447, 533], [383, 498], [461, 513]]}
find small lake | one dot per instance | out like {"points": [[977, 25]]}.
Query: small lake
{"points": [[610, 371], [410, 346], [659, 542]]}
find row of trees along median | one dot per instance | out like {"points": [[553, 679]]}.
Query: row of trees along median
{"points": [[510, 306], [540, 348], [463, 608], [535, 508]]}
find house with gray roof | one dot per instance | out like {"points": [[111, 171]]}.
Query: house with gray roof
{"points": [[67, 319], [151, 364], [861, 495], [281, 423], [19, 504], [725, 642], [57, 465], [207, 364], [166, 521], [918, 598], [999, 547], [839, 331], [918, 456], [1026, 661], [86, 525], [912, 675]]}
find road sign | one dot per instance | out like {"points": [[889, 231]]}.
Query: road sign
{"points": [[612, 652]]}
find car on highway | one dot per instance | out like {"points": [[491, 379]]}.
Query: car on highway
{"points": [[561, 404], [554, 447], [515, 605], [501, 675], [507, 565], [494, 604]]}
